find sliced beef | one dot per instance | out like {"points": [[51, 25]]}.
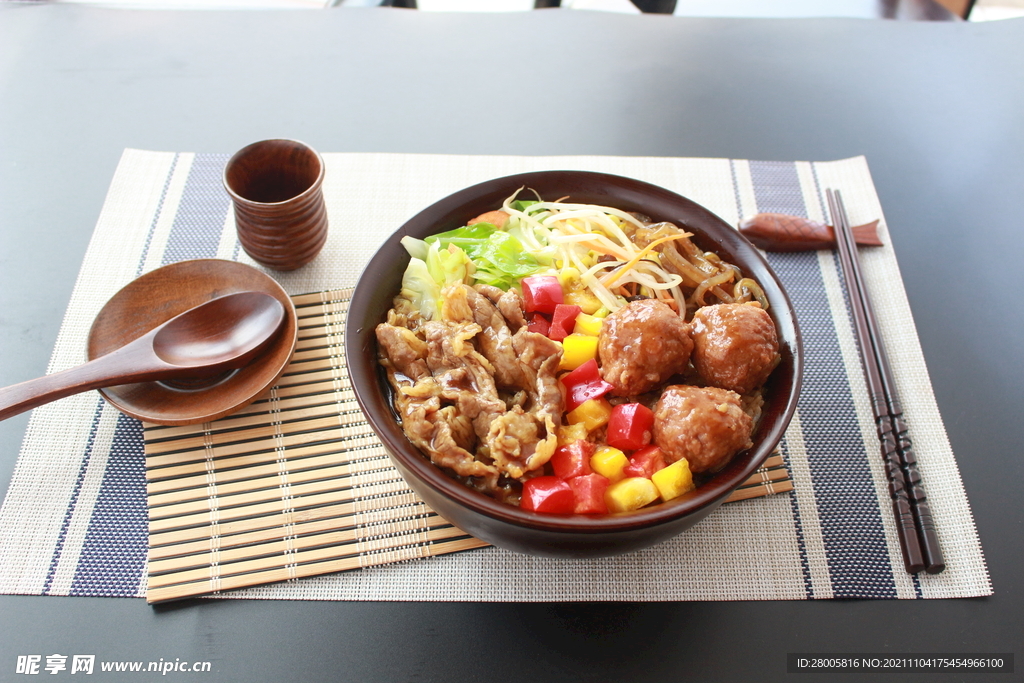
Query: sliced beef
{"points": [[494, 341], [406, 352]]}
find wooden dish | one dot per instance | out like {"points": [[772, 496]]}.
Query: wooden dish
{"points": [[162, 294]]}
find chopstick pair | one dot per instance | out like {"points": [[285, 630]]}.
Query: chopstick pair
{"points": [[919, 541]]}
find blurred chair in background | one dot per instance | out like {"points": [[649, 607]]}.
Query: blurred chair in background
{"points": [[941, 10]]}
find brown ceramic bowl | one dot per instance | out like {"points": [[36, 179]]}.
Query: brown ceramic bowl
{"points": [[564, 535]]}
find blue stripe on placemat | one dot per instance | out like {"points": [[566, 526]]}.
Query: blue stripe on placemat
{"points": [[113, 555], [73, 503], [844, 492], [798, 524], [196, 230], [87, 456]]}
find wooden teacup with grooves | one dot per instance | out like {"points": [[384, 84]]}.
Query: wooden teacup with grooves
{"points": [[276, 187]]}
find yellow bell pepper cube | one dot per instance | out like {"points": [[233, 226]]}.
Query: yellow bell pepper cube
{"points": [[674, 480], [587, 302], [628, 494], [609, 462], [577, 349], [588, 324], [568, 434], [591, 414]]}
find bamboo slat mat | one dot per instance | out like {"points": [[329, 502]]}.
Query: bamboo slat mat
{"points": [[297, 484]]}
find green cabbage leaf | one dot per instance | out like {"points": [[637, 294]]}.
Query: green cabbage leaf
{"points": [[498, 257]]}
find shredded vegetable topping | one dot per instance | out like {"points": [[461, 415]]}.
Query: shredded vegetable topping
{"points": [[603, 256]]}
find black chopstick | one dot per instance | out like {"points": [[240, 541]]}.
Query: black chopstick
{"points": [[915, 525]]}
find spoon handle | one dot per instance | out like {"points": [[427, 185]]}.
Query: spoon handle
{"points": [[132, 363]]}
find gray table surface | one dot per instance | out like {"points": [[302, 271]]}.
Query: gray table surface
{"points": [[935, 107]]}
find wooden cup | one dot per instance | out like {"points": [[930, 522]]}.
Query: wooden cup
{"points": [[276, 187]]}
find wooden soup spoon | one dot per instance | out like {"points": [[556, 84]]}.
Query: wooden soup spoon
{"points": [[221, 334]]}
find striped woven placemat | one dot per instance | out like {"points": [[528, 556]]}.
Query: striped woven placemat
{"points": [[297, 484], [75, 519]]}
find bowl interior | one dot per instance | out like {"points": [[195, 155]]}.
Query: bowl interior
{"points": [[381, 281]]}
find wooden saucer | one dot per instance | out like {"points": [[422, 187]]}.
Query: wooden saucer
{"points": [[162, 294]]}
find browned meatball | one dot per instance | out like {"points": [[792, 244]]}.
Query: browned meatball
{"points": [[734, 346], [705, 425], [642, 345]]}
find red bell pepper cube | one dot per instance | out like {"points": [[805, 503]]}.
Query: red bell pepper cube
{"points": [[630, 426], [548, 494], [583, 384], [563, 320], [589, 492], [541, 293], [645, 462], [573, 460], [539, 323]]}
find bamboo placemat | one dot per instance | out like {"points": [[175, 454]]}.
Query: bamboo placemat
{"points": [[297, 484]]}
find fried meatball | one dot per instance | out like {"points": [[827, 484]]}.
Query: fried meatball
{"points": [[642, 345], [735, 346], [705, 425]]}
